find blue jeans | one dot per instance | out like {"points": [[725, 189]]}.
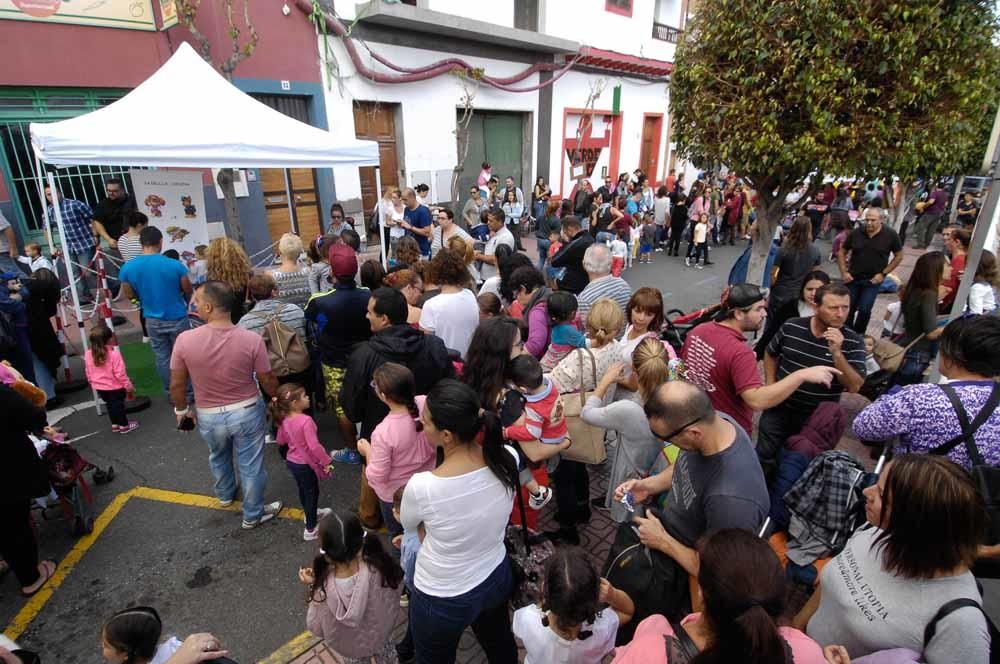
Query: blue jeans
{"points": [[863, 294], [389, 518], [604, 237], [43, 379], [8, 264], [162, 335], [437, 623], [241, 430], [543, 250], [89, 281], [305, 479]]}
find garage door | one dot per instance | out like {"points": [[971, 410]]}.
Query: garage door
{"points": [[496, 138]]}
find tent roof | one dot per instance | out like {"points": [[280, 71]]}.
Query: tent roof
{"points": [[186, 114]]}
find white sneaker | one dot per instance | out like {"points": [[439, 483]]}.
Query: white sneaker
{"points": [[322, 513], [271, 510], [699, 266], [537, 502], [310, 535], [687, 262]]}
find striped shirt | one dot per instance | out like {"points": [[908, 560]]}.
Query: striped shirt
{"points": [[129, 246], [291, 315], [77, 220], [795, 347], [294, 287], [615, 288]]}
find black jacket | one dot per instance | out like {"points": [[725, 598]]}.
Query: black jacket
{"points": [[22, 473], [424, 354], [570, 256], [582, 202]]}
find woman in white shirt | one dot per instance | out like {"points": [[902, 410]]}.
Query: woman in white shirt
{"points": [[982, 299], [498, 236], [462, 576], [445, 230], [452, 314]]}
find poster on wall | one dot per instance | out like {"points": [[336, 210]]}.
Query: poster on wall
{"points": [[174, 201], [127, 14], [168, 12]]}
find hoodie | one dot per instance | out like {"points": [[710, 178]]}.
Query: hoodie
{"points": [[424, 354], [357, 615]]}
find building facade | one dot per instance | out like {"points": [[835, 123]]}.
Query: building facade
{"points": [[583, 90], [64, 63]]}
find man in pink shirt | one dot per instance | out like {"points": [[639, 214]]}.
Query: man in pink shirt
{"points": [[221, 360]]}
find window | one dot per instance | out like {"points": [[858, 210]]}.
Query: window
{"points": [[623, 7], [526, 15]]}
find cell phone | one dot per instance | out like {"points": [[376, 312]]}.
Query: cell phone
{"points": [[628, 500], [187, 424]]}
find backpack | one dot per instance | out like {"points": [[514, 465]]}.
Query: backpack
{"points": [[955, 605], [287, 352], [987, 478]]}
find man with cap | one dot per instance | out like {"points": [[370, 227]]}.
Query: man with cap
{"points": [[821, 342], [718, 359], [338, 321]]}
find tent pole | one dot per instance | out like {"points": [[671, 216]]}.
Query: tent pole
{"points": [[40, 181], [378, 213], [84, 342], [291, 203]]}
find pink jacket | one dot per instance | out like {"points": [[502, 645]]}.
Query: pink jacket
{"points": [[398, 452], [110, 375], [299, 433]]}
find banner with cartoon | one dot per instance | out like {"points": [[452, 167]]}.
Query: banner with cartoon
{"points": [[128, 14], [174, 201]]}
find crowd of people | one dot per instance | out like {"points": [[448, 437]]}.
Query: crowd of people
{"points": [[457, 373]]}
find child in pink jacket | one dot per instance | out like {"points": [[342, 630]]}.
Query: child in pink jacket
{"points": [[306, 459], [105, 370], [398, 447]]}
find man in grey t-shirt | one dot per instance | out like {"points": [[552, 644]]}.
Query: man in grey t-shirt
{"points": [[716, 482]]}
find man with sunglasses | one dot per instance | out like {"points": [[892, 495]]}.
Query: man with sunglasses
{"points": [[715, 483], [718, 359]]}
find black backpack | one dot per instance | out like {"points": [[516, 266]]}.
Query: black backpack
{"points": [[987, 477], [955, 605]]}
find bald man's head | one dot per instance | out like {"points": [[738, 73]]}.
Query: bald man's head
{"points": [[676, 405]]}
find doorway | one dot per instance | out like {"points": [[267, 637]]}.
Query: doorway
{"points": [[497, 138], [304, 195], [649, 151], [375, 121]]}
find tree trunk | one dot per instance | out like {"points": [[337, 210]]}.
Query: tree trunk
{"points": [[954, 199], [234, 230], [902, 205], [768, 218]]}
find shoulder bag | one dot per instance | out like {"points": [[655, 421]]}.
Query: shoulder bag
{"points": [[587, 442]]}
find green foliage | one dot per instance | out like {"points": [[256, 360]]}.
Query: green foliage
{"points": [[777, 89]]}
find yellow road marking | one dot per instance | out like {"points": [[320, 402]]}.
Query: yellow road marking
{"points": [[35, 605], [292, 649]]}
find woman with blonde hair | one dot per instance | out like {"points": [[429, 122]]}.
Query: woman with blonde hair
{"points": [[411, 285], [464, 248], [292, 279], [407, 251], [226, 261], [572, 483], [637, 448]]}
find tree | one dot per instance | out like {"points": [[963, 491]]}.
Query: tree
{"points": [[785, 92], [187, 15]]}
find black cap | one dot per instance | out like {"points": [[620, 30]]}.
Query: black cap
{"points": [[742, 296]]}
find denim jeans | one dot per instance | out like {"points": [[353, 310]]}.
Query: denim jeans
{"points": [[162, 335], [543, 250], [438, 622], [863, 294], [240, 431], [43, 378], [389, 519], [604, 237], [305, 479], [8, 264], [89, 281]]}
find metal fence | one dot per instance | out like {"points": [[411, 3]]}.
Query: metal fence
{"points": [[667, 33]]}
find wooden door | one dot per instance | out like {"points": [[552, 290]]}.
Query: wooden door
{"points": [[377, 122], [306, 202], [649, 151], [496, 138]]}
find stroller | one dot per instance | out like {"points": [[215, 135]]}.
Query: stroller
{"points": [[677, 324], [66, 468]]}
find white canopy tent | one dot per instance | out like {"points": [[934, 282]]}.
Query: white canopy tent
{"points": [[187, 115]]}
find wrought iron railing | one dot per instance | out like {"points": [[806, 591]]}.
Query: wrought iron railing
{"points": [[667, 33]]}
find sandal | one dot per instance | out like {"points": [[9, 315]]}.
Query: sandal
{"points": [[48, 569]]}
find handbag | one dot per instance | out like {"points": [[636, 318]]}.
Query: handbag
{"points": [[586, 441], [889, 354], [987, 478], [527, 560]]}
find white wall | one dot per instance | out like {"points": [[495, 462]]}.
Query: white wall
{"points": [[498, 12], [637, 98], [588, 22], [428, 109]]}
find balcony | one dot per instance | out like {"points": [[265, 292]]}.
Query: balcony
{"points": [[667, 33]]}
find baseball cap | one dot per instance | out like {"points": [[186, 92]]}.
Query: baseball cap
{"points": [[343, 261], [742, 296]]}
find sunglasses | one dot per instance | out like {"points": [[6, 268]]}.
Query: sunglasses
{"points": [[673, 434]]}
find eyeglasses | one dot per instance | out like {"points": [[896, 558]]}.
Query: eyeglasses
{"points": [[336, 216], [673, 434]]}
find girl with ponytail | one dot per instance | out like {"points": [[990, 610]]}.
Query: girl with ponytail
{"points": [[743, 587], [462, 576], [638, 448], [399, 446], [354, 586], [132, 636], [306, 458]]}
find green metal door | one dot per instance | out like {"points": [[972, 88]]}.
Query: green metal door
{"points": [[18, 108], [497, 138]]}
